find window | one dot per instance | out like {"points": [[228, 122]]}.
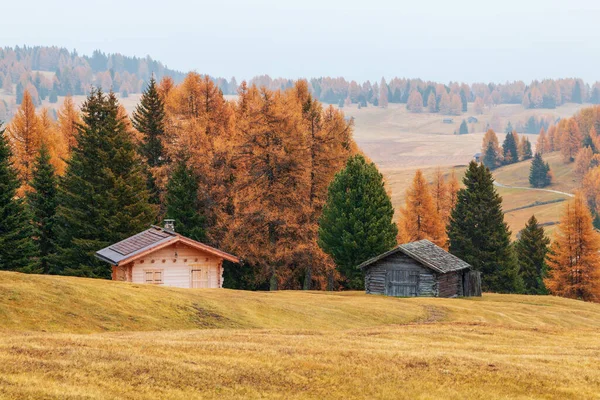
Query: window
{"points": [[153, 276]]}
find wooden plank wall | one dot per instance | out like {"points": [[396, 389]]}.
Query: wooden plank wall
{"points": [[450, 284], [472, 283], [375, 276]]}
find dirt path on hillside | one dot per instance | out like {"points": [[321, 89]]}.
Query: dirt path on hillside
{"points": [[528, 188]]}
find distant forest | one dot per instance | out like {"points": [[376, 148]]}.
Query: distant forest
{"points": [[49, 72]]}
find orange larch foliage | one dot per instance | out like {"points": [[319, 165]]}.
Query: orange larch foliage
{"points": [[541, 146], [453, 188], [440, 195], [68, 122], [571, 139], [583, 161], [54, 141], [271, 157], [574, 259], [418, 218], [24, 133], [553, 140]]}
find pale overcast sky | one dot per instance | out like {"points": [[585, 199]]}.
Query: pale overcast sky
{"points": [[460, 40]]}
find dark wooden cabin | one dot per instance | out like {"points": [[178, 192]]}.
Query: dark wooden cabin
{"points": [[420, 269]]}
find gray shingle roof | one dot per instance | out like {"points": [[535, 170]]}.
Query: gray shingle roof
{"points": [[428, 254]]}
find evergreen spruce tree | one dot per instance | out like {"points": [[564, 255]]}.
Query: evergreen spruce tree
{"points": [[463, 100], [149, 120], [510, 149], [490, 157], [479, 235], [357, 220], [527, 152], [464, 129], [103, 196], [42, 205], [183, 204], [16, 248], [539, 172], [531, 249]]}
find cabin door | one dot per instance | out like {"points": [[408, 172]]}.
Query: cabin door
{"points": [[402, 283], [200, 278]]}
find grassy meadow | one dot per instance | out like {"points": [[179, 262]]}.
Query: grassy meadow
{"points": [[74, 338]]}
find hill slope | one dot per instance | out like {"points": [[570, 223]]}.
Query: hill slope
{"points": [[287, 344]]}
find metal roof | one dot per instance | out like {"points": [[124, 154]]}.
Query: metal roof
{"points": [[426, 253], [155, 237]]}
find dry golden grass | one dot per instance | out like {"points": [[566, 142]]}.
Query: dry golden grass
{"points": [[289, 345]]}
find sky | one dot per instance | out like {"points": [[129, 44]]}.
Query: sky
{"points": [[460, 40]]}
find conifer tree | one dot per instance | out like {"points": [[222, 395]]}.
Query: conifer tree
{"points": [[464, 129], [16, 248], [541, 145], [182, 202], [419, 218], [526, 152], [148, 119], [357, 220], [103, 197], [571, 140], [42, 205], [68, 121], [539, 172], [510, 148], [492, 156], [531, 249], [574, 258], [479, 235]]}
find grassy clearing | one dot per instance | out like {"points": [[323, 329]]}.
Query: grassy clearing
{"points": [[291, 345]]}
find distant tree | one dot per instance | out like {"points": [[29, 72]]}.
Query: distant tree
{"points": [[492, 156], [574, 257], [53, 97], [531, 249], [20, 92], [478, 105], [455, 105], [183, 204], [415, 102], [509, 148], [103, 197], [571, 140], [419, 218], [479, 235], [42, 204], [509, 128], [17, 251], [525, 151], [431, 103], [25, 135], [69, 121], [357, 220], [463, 100], [577, 97], [383, 94], [583, 161], [539, 172], [464, 128], [541, 145]]}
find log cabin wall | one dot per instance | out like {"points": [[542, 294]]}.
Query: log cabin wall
{"points": [[378, 275], [450, 284]]}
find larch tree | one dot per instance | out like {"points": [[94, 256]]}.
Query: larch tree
{"points": [[571, 140], [541, 145], [103, 197], [17, 251], [415, 102], [42, 203], [441, 196], [574, 257], [525, 152], [583, 161], [68, 123], [271, 158], [383, 94], [419, 218], [53, 140], [329, 144], [24, 133], [453, 188], [532, 248], [357, 220], [431, 103], [478, 234]]}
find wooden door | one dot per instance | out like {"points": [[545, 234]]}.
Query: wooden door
{"points": [[402, 283], [200, 278]]}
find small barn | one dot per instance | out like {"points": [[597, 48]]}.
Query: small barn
{"points": [[420, 269], [160, 256]]}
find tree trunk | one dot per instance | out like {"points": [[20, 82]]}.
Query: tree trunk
{"points": [[308, 277], [273, 281], [330, 283]]}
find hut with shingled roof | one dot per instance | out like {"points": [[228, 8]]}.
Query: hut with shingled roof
{"points": [[420, 269]]}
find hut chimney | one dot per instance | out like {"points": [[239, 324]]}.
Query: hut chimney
{"points": [[169, 225]]}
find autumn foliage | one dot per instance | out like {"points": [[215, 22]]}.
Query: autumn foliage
{"points": [[574, 259]]}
